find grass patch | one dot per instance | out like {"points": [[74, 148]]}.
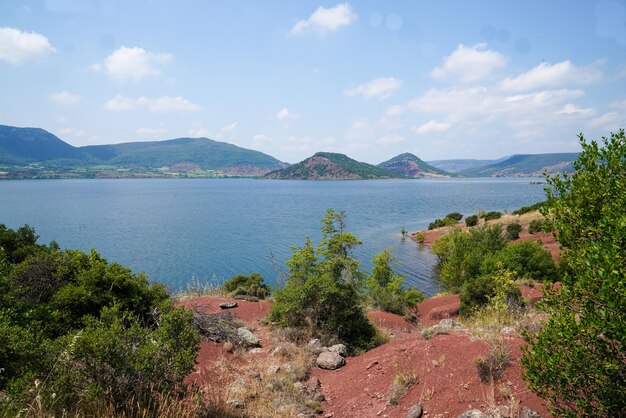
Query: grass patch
{"points": [[401, 385]]}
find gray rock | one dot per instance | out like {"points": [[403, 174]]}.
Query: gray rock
{"points": [[450, 323], [529, 413], [273, 369], [316, 343], [330, 361], [257, 350], [248, 338], [473, 413], [228, 305], [313, 384], [319, 397], [415, 412], [339, 349]]}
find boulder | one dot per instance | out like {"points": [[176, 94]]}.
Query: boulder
{"points": [[415, 412], [316, 343], [228, 305], [248, 338], [330, 361], [473, 413], [529, 413], [339, 349]]}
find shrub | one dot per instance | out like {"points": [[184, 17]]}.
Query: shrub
{"points": [[321, 294], [455, 215], [577, 360], [250, 285], [488, 216], [384, 290], [534, 226], [401, 385], [498, 291], [513, 230], [526, 260], [419, 237], [471, 220], [531, 208], [491, 368]]}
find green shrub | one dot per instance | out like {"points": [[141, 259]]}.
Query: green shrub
{"points": [[513, 230], [526, 260], [419, 237], [488, 216], [321, 295], [471, 220], [576, 361], [437, 223], [250, 285], [497, 291], [531, 208], [384, 290], [455, 215], [535, 226]]}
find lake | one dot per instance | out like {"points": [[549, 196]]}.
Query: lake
{"points": [[176, 229]]}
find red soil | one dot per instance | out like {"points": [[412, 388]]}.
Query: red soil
{"points": [[246, 311], [432, 310], [393, 324], [447, 380]]}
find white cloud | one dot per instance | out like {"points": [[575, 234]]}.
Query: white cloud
{"points": [[160, 104], [432, 126], [198, 132], [396, 110], [470, 64], [74, 132], [229, 127], [552, 75], [65, 98], [132, 63], [572, 110], [284, 114], [325, 20], [609, 121], [150, 131], [379, 87], [390, 139], [17, 47]]}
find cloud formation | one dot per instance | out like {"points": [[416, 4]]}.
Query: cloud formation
{"points": [[65, 98], [552, 75], [159, 104], [284, 114], [379, 87], [470, 64], [432, 126], [17, 47], [132, 63], [325, 20]]}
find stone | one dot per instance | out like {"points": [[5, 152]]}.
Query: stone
{"points": [[256, 351], [313, 384], [507, 330], [330, 361], [372, 364], [339, 349], [228, 305], [316, 343], [248, 338], [415, 412], [450, 323], [273, 369], [529, 413], [473, 413], [319, 397]]}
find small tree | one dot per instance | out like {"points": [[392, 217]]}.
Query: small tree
{"points": [[577, 361]]}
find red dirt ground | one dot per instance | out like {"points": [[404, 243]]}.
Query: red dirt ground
{"points": [[393, 324]]}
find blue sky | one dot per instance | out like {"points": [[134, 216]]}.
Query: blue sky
{"points": [[441, 79]]}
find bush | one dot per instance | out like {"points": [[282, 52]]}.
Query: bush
{"points": [[526, 260], [419, 237], [534, 226], [321, 294], [471, 220], [455, 215], [513, 230], [249, 285], [491, 368], [577, 360], [439, 223], [497, 291], [383, 287], [531, 208], [488, 216]]}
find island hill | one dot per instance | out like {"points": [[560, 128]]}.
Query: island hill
{"points": [[36, 153]]}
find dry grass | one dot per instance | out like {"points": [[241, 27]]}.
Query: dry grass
{"points": [[492, 367], [402, 382]]}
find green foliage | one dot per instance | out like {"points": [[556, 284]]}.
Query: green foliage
{"points": [[438, 223], [488, 216], [513, 230], [332, 165], [384, 288], [455, 215], [531, 208], [496, 292], [77, 328], [577, 360], [250, 285], [526, 260], [471, 220], [321, 295], [419, 237]]}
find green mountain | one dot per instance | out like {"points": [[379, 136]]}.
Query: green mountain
{"points": [[525, 165], [408, 165], [454, 166], [27, 146], [331, 166]]}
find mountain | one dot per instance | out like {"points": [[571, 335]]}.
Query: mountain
{"points": [[454, 166], [24, 146], [408, 165], [330, 166], [525, 165]]}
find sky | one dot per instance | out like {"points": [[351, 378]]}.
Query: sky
{"points": [[440, 79]]}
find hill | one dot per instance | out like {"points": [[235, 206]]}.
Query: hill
{"points": [[525, 165], [331, 166], [34, 152], [408, 165], [454, 166]]}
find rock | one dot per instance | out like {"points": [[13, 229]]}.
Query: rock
{"points": [[256, 350], [473, 413], [313, 384], [248, 338], [319, 397], [507, 330], [529, 413], [450, 323], [316, 343], [415, 412], [330, 361], [273, 369], [372, 364], [299, 386], [228, 305], [339, 349]]}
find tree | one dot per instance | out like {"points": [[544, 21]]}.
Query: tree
{"points": [[321, 295], [578, 360]]}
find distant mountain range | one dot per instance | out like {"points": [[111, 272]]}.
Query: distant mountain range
{"points": [[331, 166], [23, 146], [409, 165], [36, 153]]}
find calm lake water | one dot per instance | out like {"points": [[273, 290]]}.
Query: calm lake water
{"points": [[175, 229]]}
